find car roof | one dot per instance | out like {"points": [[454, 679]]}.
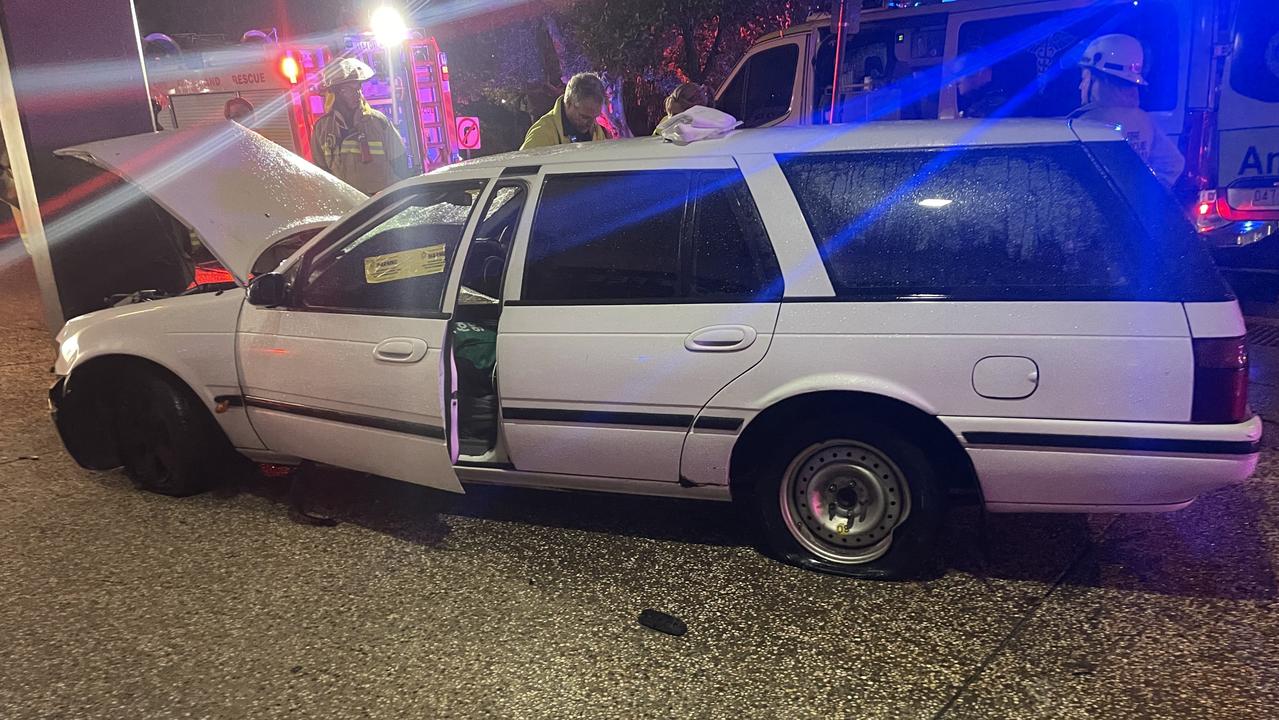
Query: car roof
{"points": [[890, 135]]}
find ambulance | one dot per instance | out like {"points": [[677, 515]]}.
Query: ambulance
{"points": [[1212, 68]]}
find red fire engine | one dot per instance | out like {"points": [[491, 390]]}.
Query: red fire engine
{"points": [[282, 82]]}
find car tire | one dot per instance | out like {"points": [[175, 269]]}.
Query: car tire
{"points": [[167, 440], [851, 497]]}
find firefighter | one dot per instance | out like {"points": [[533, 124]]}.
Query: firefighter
{"points": [[352, 140], [573, 119], [1109, 89]]}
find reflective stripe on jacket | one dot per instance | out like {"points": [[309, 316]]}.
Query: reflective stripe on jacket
{"points": [[370, 158]]}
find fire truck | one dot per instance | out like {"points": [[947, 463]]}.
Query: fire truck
{"points": [[1212, 68], [282, 83]]}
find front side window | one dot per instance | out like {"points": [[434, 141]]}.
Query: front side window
{"points": [[761, 91], [399, 265], [1028, 222], [651, 236]]}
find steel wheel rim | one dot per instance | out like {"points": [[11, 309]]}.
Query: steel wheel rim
{"points": [[842, 500]]}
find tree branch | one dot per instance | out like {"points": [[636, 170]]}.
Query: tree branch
{"points": [[714, 51], [692, 68]]}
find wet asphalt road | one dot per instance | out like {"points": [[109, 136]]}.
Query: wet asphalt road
{"points": [[520, 604]]}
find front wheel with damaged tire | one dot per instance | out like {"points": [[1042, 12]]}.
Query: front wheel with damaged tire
{"points": [[167, 440]]}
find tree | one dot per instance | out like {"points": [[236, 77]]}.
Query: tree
{"points": [[689, 39], [653, 45]]}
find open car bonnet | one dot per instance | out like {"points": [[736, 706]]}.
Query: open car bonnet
{"points": [[237, 190]]}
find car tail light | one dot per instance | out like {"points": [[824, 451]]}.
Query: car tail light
{"points": [[1221, 380], [1207, 218]]}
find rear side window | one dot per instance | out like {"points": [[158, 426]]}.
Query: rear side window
{"points": [[1016, 223], [649, 237], [607, 236], [732, 258]]}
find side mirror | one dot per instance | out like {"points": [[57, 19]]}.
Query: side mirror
{"points": [[267, 290]]}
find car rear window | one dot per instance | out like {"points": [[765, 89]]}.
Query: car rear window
{"points": [[1027, 222]]}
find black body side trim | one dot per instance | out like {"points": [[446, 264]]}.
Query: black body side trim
{"points": [[706, 422], [486, 465], [230, 400], [597, 417], [682, 300], [1093, 442], [400, 426], [603, 417]]}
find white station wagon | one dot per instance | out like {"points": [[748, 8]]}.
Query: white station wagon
{"points": [[845, 328]]}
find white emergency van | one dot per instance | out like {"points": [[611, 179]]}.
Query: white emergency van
{"points": [[844, 329], [1212, 68]]}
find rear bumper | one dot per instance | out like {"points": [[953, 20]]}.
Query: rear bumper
{"points": [[1074, 466]]}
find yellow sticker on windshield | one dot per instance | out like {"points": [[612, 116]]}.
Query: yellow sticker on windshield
{"points": [[405, 264]]}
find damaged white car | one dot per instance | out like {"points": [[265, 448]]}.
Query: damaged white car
{"points": [[846, 328]]}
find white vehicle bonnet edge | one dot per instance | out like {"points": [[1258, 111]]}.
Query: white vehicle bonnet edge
{"points": [[239, 191]]}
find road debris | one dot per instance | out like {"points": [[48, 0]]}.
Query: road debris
{"points": [[662, 622]]}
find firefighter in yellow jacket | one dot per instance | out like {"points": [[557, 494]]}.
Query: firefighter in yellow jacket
{"points": [[352, 140], [573, 119]]}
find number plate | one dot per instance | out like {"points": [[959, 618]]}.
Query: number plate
{"points": [[1265, 197], [1255, 198]]}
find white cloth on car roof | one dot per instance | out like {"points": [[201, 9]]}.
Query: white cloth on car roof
{"points": [[697, 123]]}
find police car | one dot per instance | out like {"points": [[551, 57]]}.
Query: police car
{"points": [[846, 329]]}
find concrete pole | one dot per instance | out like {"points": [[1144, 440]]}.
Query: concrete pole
{"points": [[72, 72]]}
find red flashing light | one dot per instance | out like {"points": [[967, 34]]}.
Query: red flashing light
{"points": [[1204, 208], [291, 69]]}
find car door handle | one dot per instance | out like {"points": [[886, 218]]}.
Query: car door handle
{"points": [[721, 338], [400, 350]]}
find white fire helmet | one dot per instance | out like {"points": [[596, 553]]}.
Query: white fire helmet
{"points": [[344, 71], [1116, 55]]}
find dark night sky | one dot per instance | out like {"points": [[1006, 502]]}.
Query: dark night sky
{"points": [[234, 17]]}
